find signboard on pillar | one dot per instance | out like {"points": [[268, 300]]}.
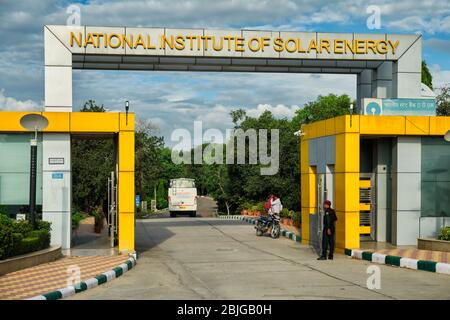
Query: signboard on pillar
{"points": [[399, 107], [137, 200]]}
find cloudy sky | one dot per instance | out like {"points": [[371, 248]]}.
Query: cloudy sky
{"points": [[174, 100]]}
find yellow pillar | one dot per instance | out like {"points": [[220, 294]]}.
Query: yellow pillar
{"points": [[126, 205], [308, 190], [347, 183]]}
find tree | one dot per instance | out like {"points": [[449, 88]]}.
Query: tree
{"points": [[222, 192], [92, 161], [443, 101], [427, 78], [161, 195], [214, 178], [237, 115], [92, 106], [148, 149], [323, 107], [244, 183]]}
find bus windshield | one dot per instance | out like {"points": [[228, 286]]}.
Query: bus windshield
{"points": [[182, 183]]}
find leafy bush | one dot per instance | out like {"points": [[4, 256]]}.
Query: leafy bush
{"points": [[23, 227], [28, 245], [37, 240], [244, 206], [291, 214], [6, 237], [43, 236], [17, 237], [17, 241], [297, 217], [284, 213], [3, 211], [44, 225], [259, 207], [444, 233], [76, 218], [98, 216], [162, 203]]}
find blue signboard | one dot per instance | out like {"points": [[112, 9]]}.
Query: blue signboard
{"points": [[403, 107], [57, 175], [138, 200]]}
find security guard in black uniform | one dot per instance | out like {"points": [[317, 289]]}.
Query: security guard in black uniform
{"points": [[329, 229]]}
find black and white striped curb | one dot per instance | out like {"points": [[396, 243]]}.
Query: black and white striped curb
{"points": [[284, 233], [89, 283], [425, 265]]}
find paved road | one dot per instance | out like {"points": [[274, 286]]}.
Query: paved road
{"points": [[209, 258], [206, 207]]}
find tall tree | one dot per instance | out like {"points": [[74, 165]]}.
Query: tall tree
{"points": [[244, 183], [237, 116], [92, 161], [427, 78], [148, 148], [92, 106], [323, 107], [443, 101]]}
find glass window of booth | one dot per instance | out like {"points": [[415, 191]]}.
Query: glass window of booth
{"points": [[15, 171], [435, 177]]}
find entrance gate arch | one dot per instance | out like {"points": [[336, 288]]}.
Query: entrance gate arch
{"points": [[386, 66]]}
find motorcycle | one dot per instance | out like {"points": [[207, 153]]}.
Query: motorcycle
{"points": [[268, 224]]}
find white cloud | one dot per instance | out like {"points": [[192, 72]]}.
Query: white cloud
{"points": [[440, 77], [217, 117], [159, 123], [280, 110], [11, 104], [178, 96]]}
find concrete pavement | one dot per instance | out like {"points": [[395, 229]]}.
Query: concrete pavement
{"points": [[209, 258], [51, 276]]}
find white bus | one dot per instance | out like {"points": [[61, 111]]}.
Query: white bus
{"points": [[182, 197]]}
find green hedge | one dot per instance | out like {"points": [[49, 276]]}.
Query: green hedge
{"points": [[38, 241], [44, 225], [77, 216], [23, 227], [297, 217], [444, 233], [6, 237], [3, 210], [18, 237]]}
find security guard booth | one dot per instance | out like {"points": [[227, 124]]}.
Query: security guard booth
{"points": [[55, 195], [387, 176]]}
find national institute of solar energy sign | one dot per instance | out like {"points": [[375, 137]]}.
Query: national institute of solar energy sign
{"points": [[231, 43], [386, 65]]}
